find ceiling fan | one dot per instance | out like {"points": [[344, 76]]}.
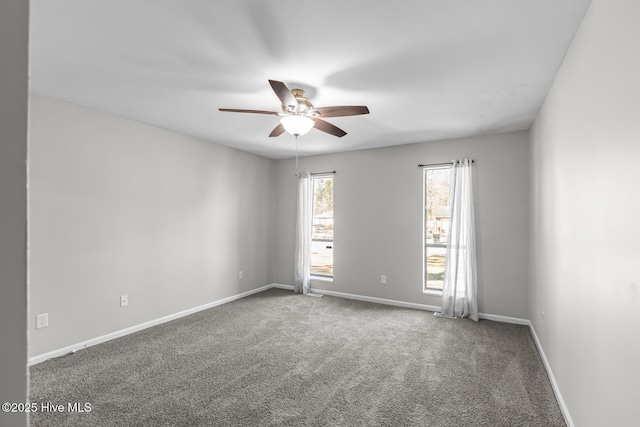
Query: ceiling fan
{"points": [[298, 114]]}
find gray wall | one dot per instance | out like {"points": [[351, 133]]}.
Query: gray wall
{"points": [[378, 219], [122, 208], [585, 228], [14, 30]]}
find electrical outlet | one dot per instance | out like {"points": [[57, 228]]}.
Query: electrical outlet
{"points": [[383, 279], [42, 320], [124, 300], [241, 275]]}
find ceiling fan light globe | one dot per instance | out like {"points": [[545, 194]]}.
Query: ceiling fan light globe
{"points": [[297, 125]]}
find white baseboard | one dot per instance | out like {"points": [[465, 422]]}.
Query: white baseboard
{"points": [[88, 343], [494, 317], [504, 319], [552, 379], [91, 342], [377, 300]]}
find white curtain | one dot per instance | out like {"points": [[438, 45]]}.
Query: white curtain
{"points": [[459, 293], [303, 234]]}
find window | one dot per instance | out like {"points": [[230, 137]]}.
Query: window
{"points": [[322, 226], [436, 225]]}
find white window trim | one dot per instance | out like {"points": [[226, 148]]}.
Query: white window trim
{"points": [[317, 277], [326, 279], [425, 290]]}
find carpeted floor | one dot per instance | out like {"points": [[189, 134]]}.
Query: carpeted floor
{"points": [[278, 358]]}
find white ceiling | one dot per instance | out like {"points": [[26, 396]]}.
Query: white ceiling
{"points": [[427, 69]]}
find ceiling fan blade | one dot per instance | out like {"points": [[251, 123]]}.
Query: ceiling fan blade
{"points": [[235, 110], [347, 110], [277, 131], [283, 93], [328, 127]]}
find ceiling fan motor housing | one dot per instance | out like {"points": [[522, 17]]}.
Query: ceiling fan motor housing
{"points": [[304, 105]]}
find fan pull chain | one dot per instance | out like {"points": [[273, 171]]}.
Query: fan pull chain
{"points": [[297, 172]]}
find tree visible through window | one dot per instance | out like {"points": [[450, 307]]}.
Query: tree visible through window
{"points": [[436, 225], [322, 226]]}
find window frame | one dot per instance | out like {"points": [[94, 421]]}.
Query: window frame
{"points": [[425, 244], [315, 276]]}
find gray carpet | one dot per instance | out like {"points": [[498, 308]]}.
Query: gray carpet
{"points": [[278, 358]]}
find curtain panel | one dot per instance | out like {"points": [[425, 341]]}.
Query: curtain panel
{"points": [[459, 294], [302, 271]]}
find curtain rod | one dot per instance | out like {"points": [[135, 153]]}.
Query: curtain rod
{"points": [[323, 173], [440, 164]]}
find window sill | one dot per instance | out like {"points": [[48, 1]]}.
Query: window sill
{"points": [[322, 279], [432, 292]]}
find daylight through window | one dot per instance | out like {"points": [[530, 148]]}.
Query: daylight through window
{"points": [[322, 226], [436, 225]]}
